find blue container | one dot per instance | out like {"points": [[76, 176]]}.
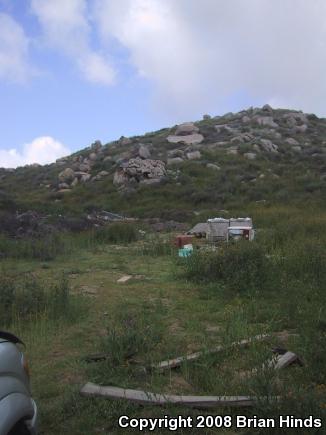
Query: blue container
{"points": [[185, 252]]}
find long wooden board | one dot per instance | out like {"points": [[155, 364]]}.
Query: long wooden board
{"points": [[145, 397], [176, 362]]}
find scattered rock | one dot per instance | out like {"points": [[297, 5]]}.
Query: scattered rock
{"points": [[62, 160], [85, 177], [191, 139], [74, 182], [250, 156], [187, 128], [265, 121], [225, 127], [256, 148], [144, 152], [176, 153], [297, 149], [268, 145], [92, 157], [63, 186], [100, 175], [124, 141], [174, 161], [213, 166], [291, 141], [232, 151], [299, 128], [84, 167], [245, 119], [103, 173], [237, 140], [193, 155], [67, 175], [96, 146], [296, 116], [242, 138]]}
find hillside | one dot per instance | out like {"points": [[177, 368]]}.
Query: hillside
{"points": [[256, 155], [107, 305]]}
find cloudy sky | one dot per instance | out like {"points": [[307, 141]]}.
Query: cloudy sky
{"points": [[73, 71]]}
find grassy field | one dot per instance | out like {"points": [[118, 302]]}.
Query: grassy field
{"points": [[172, 307]]}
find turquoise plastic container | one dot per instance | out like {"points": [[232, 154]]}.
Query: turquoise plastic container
{"points": [[185, 252]]}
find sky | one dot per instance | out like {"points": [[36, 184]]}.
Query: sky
{"points": [[72, 72]]}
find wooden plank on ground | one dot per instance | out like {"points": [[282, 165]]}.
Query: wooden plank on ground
{"points": [[145, 397], [176, 362], [124, 279], [285, 360]]}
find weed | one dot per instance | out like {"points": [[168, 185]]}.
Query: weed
{"points": [[116, 233]]}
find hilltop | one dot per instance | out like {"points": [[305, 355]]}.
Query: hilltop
{"points": [[257, 155]]}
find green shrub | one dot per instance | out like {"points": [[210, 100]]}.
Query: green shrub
{"points": [[120, 232], [240, 266], [42, 248], [28, 297]]}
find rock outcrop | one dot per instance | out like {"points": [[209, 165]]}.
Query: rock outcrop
{"points": [[186, 133], [137, 170]]}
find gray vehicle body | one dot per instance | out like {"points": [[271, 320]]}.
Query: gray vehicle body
{"points": [[16, 403]]}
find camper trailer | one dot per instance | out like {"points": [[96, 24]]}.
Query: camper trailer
{"points": [[225, 230]]}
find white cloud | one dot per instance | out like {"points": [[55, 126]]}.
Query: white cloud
{"points": [[14, 47], [42, 150], [199, 54], [66, 27]]}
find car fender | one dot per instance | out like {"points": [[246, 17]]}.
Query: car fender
{"points": [[15, 407]]}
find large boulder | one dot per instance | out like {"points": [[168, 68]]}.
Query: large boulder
{"points": [[193, 155], [291, 141], [299, 128], [124, 141], [268, 145], [213, 166], [175, 153], [296, 116], [67, 175], [144, 152], [84, 167], [250, 156], [186, 128], [267, 108], [245, 119], [137, 170], [190, 139], [267, 121], [174, 161], [225, 127], [92, 157], [96, 146]]}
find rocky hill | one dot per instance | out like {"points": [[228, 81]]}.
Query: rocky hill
{"points": [[256, 155]]}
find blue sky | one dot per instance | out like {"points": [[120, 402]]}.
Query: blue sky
{"points": [[75, 71]]}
